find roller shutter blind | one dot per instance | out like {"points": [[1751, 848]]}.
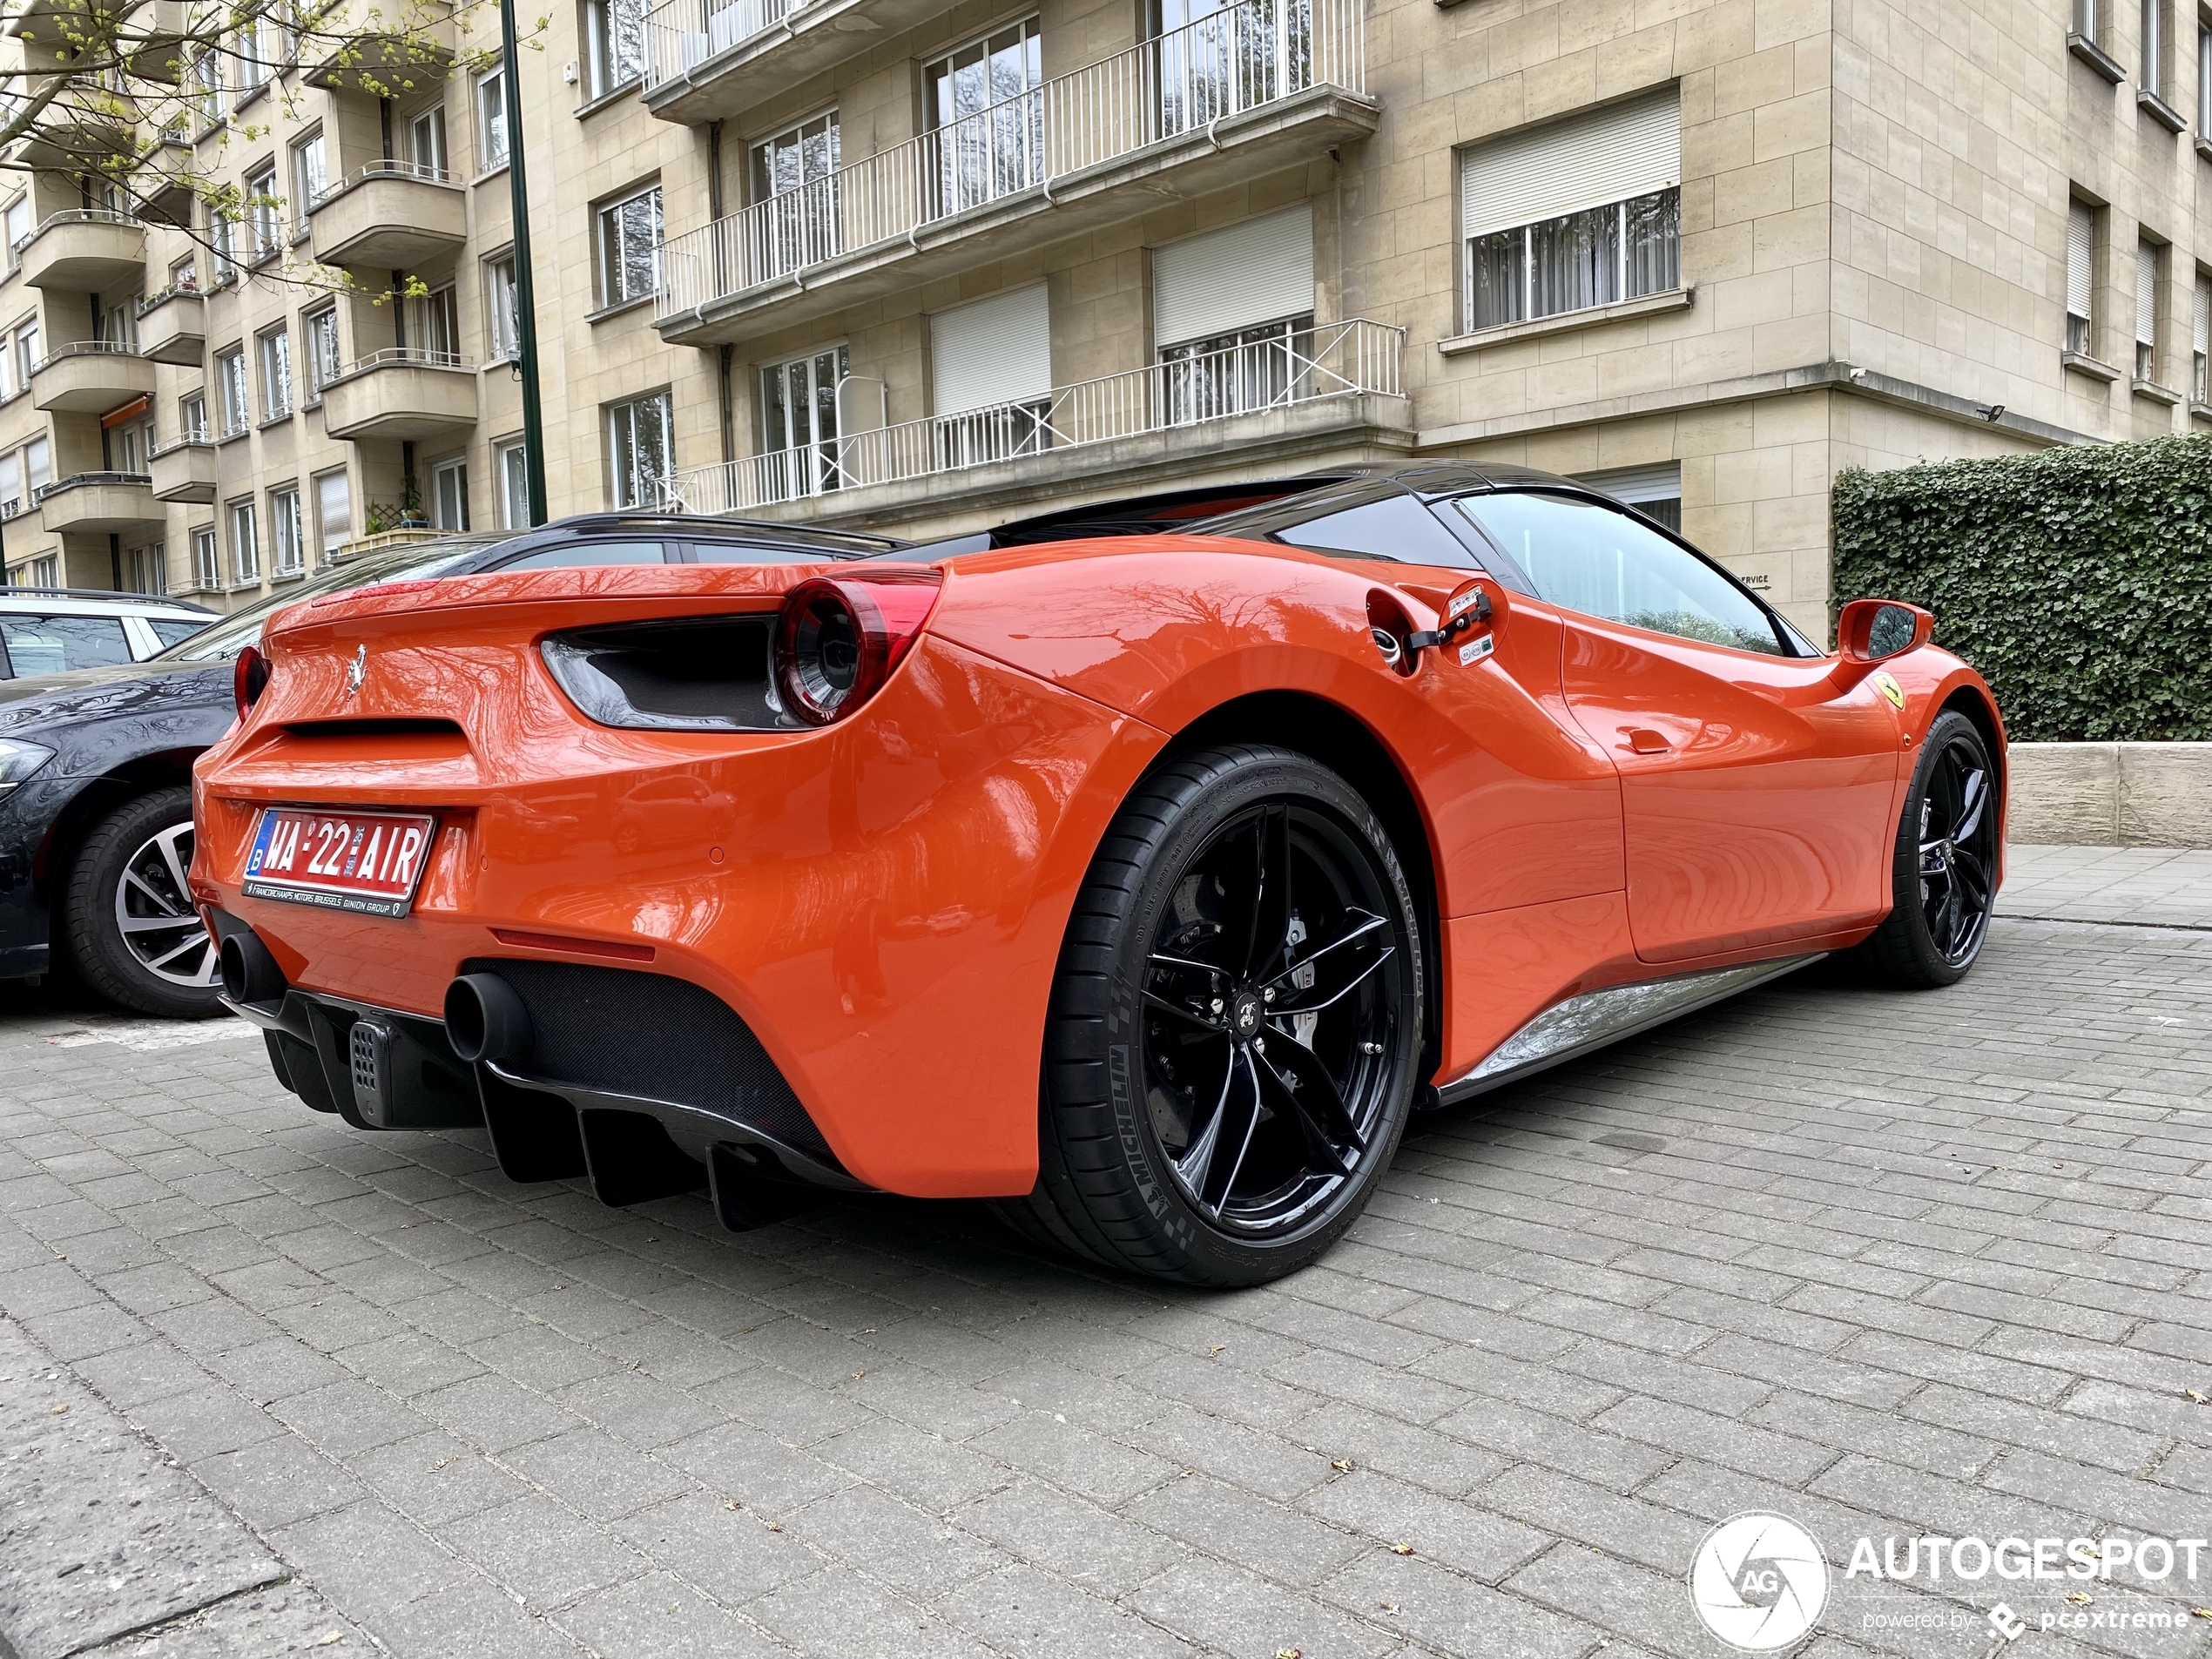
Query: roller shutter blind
{"points": [[1608, 155], [2080, 238], [1257, 271], [2201, 320], [1634, 485], [997, 350], [2146, 294]]}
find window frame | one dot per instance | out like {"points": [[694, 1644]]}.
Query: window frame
{"points": [[228, 379], [330, 548], [312, 328], [309, 191], [487, 161], [609, 243], [603, 57], [286, 562], [622, 476], [272, 354], [508, 458], [502, 317], [263, 217], [245, 548]]}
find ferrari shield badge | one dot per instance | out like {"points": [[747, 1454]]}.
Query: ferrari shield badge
{"points": [[1885, 683]]}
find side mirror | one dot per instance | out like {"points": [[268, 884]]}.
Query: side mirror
{"points": [[1873, 631]]}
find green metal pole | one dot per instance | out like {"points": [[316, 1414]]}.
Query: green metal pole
{"points": [[525, 293]]}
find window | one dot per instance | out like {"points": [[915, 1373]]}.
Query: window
{"points": [[44, 572], [26, 353], [149, 574], [641, 442], [991, 377], [284, 532], [253, 56], [2201, 340], [799, 421], [436, 327], [192, 417], [2147, 311], [18, 227], [265, 216], [2203, 78], [229, 380], [616, 37], [789, 170], [206, 563], [184, 276], [1654, 491], [491, 120], [130, 444], [38, 466], [2151, 78], [245, 546], [10, 485], [986, 118], [310, 174], [449, 494], [1605, 562], [119, 324], [1581, 212], [2081, 246], [630, 248], [426, 141], [1249, 368], [207, 84], [323, 362], [220, 239], [57, 644], [276, 374], [513, 462], [503, 309], [1398, 527], [333, 511]]}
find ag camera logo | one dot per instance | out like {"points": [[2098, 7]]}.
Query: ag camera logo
{"points": [[1758, 1581]]}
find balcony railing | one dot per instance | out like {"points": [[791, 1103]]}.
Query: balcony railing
{"points": [[419, 170], [76, 216], [1187, 81], [680, 35], [1335, 361], [400, 357], [83, 479]]}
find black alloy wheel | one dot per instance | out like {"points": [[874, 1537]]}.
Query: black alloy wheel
{"points": [[1235, 1027], [1945, 876]]}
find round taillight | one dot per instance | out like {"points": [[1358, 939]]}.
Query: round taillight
{"points": [[249, 679], [837, 642]]}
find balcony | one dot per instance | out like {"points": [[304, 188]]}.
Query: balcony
{"points": [[86, 250], [184, 470], [154, 39], [372, 50], [173, 327], [89, 377], [404, 394], [98, 503], [706, 60], [389, 215], [1332, 387], [1240, 93]]}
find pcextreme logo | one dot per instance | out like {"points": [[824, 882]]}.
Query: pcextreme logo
{"points": [[1758, 1581]]}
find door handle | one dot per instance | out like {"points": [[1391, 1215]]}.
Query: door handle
{"points": [[1644, 741]]}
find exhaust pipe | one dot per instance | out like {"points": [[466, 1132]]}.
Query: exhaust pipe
{"points": [[250, 973], [485, 1019]]}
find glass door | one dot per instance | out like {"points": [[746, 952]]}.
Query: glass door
{"points": [[794, 177], [799, 418], [987, 120]]}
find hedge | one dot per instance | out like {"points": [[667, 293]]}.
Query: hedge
{"points": [[2079, 581]]}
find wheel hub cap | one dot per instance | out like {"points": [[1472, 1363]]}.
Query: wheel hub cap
{"points": [[1245, 1015]]}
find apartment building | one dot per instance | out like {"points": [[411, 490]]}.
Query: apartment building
{"points": [[907, 265]]}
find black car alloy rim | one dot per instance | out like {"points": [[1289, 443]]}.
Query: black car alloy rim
{"points": [[1958, 850], [153, 912], [1272, 996]]}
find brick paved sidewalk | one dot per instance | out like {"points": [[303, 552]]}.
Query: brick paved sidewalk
{"points": [[1880, 1263]]}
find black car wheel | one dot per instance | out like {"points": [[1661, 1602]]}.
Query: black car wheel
{"points": [[130, 929], [1945, 877], [1234, 1024]]}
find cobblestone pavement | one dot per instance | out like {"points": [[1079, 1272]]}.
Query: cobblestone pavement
{"points": [[1883, 1263]]}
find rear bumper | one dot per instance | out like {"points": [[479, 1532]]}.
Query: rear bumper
{"points": [[718, 1115]]}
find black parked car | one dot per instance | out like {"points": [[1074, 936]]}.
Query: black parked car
{"points": [[96, 765]]}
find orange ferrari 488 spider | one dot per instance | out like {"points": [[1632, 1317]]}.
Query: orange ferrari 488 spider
{"points": [[1143, 869]]}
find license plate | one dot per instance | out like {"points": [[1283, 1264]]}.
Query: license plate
{"points": [[367, 863]]}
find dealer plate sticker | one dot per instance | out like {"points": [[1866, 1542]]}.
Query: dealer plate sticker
{"points": [[366, 863]]}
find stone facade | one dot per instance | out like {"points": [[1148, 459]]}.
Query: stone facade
{"points": [[1874, 204]]}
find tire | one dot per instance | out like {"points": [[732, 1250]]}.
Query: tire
{"points": [[1178, 1004], [1943, 876], [131, 870]]}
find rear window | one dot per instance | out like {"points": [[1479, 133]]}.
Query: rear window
{"points": [[171, 630], [56, 644]]}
